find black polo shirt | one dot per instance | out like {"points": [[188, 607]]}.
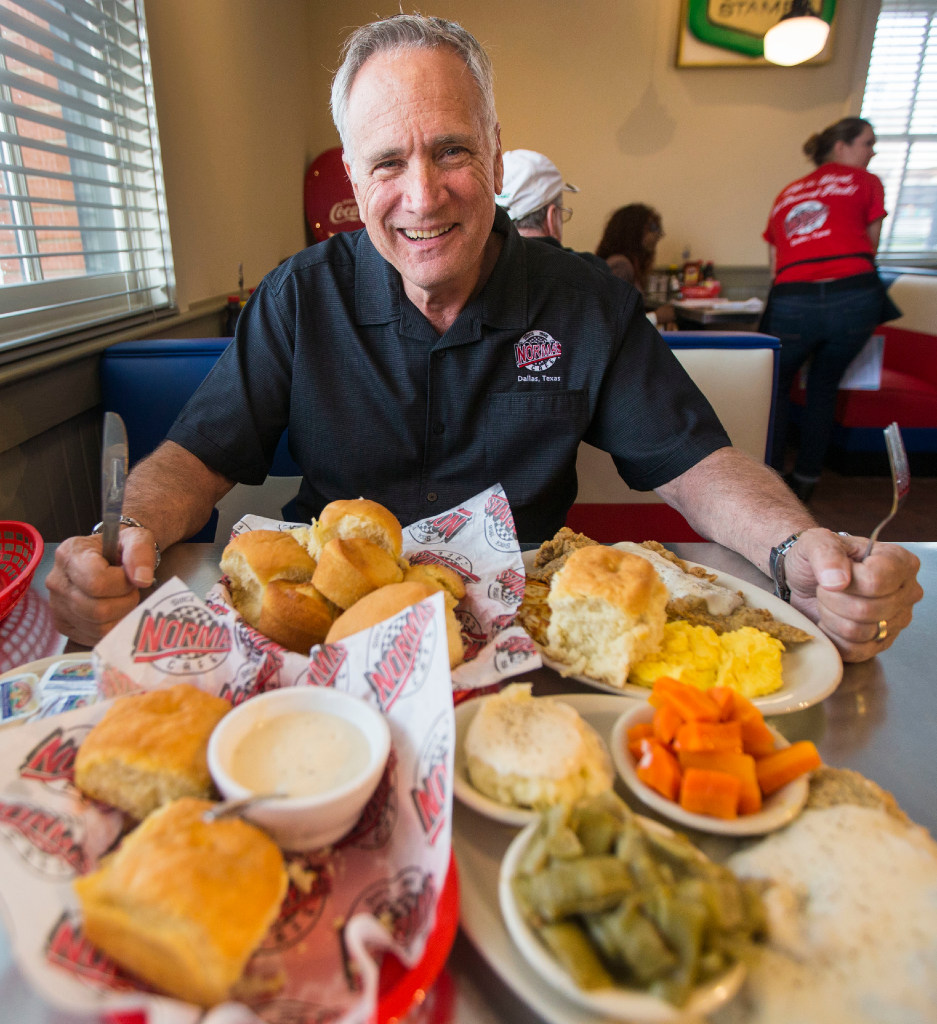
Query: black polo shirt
{"points": [[552, 351]]}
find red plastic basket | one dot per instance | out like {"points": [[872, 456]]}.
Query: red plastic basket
{"points": [[20, 552]]}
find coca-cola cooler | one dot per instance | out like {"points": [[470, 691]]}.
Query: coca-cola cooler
{"points": [[327, 197]]}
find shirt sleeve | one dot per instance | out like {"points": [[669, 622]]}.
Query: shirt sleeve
{"points": [[234, 420], [651, 417]]}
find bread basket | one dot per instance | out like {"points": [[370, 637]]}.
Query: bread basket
{"points": [[20, 552]]}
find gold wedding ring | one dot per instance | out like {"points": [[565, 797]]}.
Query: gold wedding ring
{"points": [[882, 631]]}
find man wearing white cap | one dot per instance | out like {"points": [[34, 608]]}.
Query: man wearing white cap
{"points": [[533, 194]]}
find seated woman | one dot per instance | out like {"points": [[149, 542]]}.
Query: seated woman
{"points": [[628, 245]]}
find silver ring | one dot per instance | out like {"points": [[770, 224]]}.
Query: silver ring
{"points": [[882, 631]]}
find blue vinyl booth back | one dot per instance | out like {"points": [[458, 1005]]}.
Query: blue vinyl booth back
{"points": [[148, 382]]}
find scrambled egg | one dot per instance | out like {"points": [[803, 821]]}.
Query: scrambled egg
{"points": [[746, 659]]}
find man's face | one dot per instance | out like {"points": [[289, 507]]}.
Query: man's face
{"points": [[424, 172]]}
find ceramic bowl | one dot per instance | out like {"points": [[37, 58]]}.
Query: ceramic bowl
{"points": [[300, 822]]}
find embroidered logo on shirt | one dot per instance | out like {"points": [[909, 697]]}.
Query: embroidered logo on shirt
{"points": [[537, 351]]}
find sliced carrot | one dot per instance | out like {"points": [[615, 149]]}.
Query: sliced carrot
{"points": [[783, 766], [658, 694], [742, 766], [709, 736], [692, 703], [724, 696], [667, 720], [658, 768], [638, 732], [757, 739], [709, 792]]}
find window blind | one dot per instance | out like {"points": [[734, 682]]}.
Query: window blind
{"points": [[84, 238], [900, 102]]}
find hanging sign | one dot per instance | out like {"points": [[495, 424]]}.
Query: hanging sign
{"points": [[730, 33]]}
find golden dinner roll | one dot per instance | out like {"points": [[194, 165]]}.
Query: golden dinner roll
{"points": [[150, 748], [350, 568], [607, 610], [295, 615], [182, 903], [440, 577], [386, 602], [355, 517], [255, 558]]}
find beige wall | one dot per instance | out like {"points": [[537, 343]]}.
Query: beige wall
{"points": [[242, 100]]}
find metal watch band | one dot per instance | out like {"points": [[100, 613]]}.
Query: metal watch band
{"points": [[128, 521], [776, 564]]}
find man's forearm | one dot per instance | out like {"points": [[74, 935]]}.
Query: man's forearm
{"points": [[739, 503], [172, 493]]}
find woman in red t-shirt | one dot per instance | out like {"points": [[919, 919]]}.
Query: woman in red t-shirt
{"points": [[826, 297]]}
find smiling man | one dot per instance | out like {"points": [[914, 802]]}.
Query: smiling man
{"points": [[425, 173], [437, 352]]}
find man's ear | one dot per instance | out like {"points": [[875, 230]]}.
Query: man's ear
{"points": [[354, 188], [498, 162], [555, 222]]}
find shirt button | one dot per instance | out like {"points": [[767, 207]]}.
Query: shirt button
{"points": [[439, 428], [432, 496]]}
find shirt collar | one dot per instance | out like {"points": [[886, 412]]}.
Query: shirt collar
{"points": [[502, 302]]}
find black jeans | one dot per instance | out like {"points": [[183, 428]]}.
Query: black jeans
{"points": [[826, 323]]}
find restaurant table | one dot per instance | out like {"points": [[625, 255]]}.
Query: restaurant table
{"points": [[718, 314], [880, 721]]}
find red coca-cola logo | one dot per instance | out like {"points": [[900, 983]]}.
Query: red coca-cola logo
{"points": [[343, 211]]}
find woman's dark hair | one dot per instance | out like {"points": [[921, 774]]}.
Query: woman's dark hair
{"points": [[624, 236], [819, 146]]}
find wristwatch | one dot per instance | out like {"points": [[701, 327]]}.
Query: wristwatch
{"points": [[127, 521], [776, 564]]}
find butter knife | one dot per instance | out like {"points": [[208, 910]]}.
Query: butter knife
{"points": [[113, 477]]}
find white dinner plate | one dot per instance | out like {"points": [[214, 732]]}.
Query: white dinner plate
{"points": [[619, 1003], [810, 671], [461, 784], [778, 809]]}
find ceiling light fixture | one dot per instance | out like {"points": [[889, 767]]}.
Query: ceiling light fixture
{"points": [[798, 36]]}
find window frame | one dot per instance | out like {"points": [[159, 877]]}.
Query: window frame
{"points": [[899, 138], [76, 86]]}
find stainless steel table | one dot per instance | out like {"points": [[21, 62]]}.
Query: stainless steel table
{"points": [[880, 721], [716, 316]]}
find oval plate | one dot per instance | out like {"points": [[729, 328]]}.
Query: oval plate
{"points": [[811, 671]]}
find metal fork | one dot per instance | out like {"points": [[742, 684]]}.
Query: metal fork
{"points": [[900, 479]]}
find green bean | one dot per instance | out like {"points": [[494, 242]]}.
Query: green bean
{"points": [[567, 942], [619, 903], [581, 886]]}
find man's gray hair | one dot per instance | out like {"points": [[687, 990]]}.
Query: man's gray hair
{"points": [[537, 220], [400, 32]]}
